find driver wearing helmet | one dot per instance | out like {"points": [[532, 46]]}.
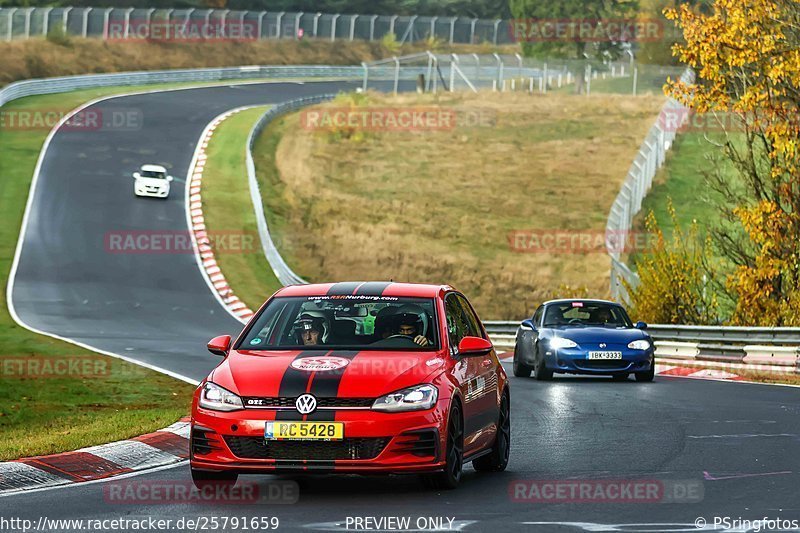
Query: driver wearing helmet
{"points": [[310, 329], [410, 325]]}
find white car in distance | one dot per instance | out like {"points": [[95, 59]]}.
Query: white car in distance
{"points": [[152, 181]]}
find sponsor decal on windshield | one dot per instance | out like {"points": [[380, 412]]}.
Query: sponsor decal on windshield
{"points": [[320, 364]]}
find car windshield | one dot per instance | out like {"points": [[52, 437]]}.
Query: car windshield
{"points": [[153, 174], [342, 322], [579, 313]]}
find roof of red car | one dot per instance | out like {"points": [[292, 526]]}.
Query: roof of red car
{"points": [[365, 288]]}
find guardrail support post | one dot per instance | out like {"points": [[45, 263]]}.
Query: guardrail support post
{"points": [[545, 75], [366, 76]]}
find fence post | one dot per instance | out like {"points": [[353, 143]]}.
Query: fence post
{"points": [[46, 20], [65, 18], [353, 19], [477, 67], [428, 81], [297, 18], [10, 27], [392, 23], [366, 76], [169, 18], [545, 76], [453, 29], [28, 13], [396, 74], [496, 26], [635, 79], [519, 63], [106, 20], [433, 26], [278, 23], [85, 29], [453, 61], [316, 23], [333, 26], [260, 28], [588, 79], [472, 31], [372, 20]]}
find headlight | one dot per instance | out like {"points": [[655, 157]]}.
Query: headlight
{"points": [[216, 398], [561, 342], [416, 398], [641, 344]]}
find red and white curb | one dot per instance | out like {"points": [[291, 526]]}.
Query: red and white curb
{"points": [[207, 260], [161, 448]]}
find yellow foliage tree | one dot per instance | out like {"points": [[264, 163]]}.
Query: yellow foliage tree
{"points": [[673, 279], [746, 54]]}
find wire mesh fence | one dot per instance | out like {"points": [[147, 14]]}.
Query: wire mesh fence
{"points": [[132, 23]]}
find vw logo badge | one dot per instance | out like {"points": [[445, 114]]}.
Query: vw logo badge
{"points": [[603, 345], [306, 404]]}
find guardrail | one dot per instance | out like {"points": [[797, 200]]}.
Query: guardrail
{"points": [[282, 271], [726, 344]]}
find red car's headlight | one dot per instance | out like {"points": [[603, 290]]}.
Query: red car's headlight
{"points": [[416, 398], [216, 398]]}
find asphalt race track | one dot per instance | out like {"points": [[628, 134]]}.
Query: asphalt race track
{"points": [[737, 444]]}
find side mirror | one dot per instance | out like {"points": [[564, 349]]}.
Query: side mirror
{"points": [[474, 346], [169, 178], [640, 325], [136, 175], [220, 345], [528, 324]]}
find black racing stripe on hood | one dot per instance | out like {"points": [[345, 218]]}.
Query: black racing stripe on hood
{"points": [[373, 288], [326, 385], [293, 384], [345, 288]]}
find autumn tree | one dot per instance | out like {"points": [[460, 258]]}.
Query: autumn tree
{"points": [[746, 54], [673, 277]]}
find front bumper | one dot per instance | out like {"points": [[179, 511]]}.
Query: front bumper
{"points": [[373, 442], [161, 193], [576, 361]]}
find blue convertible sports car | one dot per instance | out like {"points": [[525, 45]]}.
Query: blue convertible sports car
{"points": [[583, 337]]}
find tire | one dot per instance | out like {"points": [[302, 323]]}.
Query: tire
{"points": [[497, 460], [520, 369], [648, 376], [204, 478], [454, 454], [541, 371], [620, 377]]}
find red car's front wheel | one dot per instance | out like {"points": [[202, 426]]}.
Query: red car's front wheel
{"points": [[454, 454]]}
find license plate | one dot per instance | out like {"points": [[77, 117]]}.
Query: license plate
{"points": [[304, 431], [605, 355]]}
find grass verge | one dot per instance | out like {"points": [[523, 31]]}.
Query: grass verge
{"points": [[44, 411], [442, 205], [228, 212]]}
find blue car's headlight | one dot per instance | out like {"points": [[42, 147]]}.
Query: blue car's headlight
{"points": [[641, 344], [560, 342]]}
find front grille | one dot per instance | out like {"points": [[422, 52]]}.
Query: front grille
{"points": [[602, 364], [287, 402], [352, 449]]}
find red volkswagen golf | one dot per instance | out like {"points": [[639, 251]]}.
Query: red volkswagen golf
{"points": [[354, 378]]}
